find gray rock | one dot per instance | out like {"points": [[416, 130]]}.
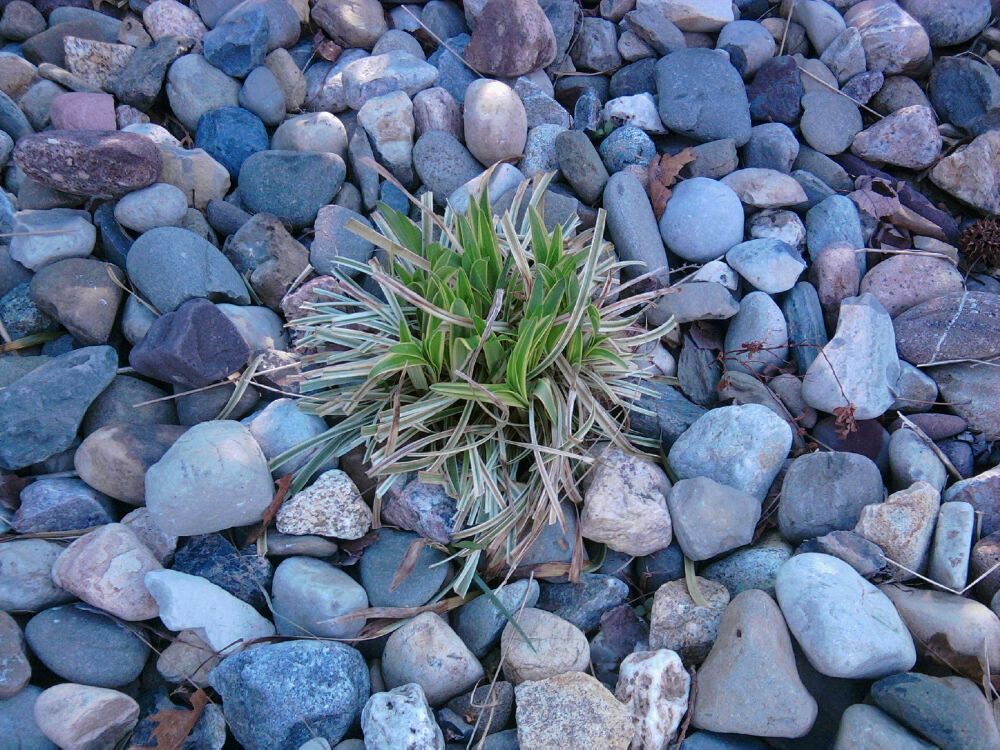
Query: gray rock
{"points": [[829, 121], [714, 159], [862, 555], [443, 163], [632, 223], [739, 446], [846, 627], [749, 45], [41, 412], [583, 603], [947, 27], [380, 562], [907, 138], [308, 594], [949, 711], [157, 253], [581, 165], [757, 337], [912, 460], [194, 490], [826, 491], [553, 646], [263, 96], [27, 583], [679, 624], [710, 518], [770, 265], [15, 670], [280, 426], [772, 145], [703, 219], [749, 683], [859, 366], [46, 236], [17, 721], [699, 300], [972, 393], [480, 622], [60, 505], [701, 95], [915, 391], [105, 653], [194, 86], [334, 240], [400, 718], [424, 508], [753, 567], [951, 548], [866, 726], [281, 695], [292, 185], [282, 18], [82, 294]]}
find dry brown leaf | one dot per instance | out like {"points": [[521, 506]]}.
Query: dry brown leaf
{"points": [[408, 565], [845, 423], [938, 649], [173, 725], [664, 170], [279, 497], [875, 197], [398, 613]]}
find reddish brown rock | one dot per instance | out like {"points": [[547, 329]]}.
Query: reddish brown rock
{"points": [[512, 38], [960, 325], [89, 162]]}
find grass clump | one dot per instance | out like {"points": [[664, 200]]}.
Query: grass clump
{"points": [[500, 352]]}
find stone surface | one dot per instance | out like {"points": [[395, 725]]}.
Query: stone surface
{"points": [[511, 39], [217, 617], [655, 686], [864, 725], [571, 708], [970, 173], [846, 627], [309, 594], [770, 265], [82, 716], [283, 694], [496, 124], [703, 220], [710, 518], [556, 646], [757, 338], [625, 504], [679, 624], [426, 651], [951, 548], [398, 718], [60, 505], [893, 40], [903, 526], [41, 412], [749, 683], [739, 446], [381, 560], [15, 669], [958, 325], [904, 281], [907, 138], [331, 506], [27, 583], [292, 185], [212, 478]]}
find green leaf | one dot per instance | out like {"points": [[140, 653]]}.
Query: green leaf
{"points": [[407, 233]]}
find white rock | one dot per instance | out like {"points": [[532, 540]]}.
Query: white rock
{"points": [[400, 718], [43, 237], [159, 205], [859, 365], [332, 506], [638, 110], [765, 188], [625, 504], [655, 686], [845, 626], [221, 620]]}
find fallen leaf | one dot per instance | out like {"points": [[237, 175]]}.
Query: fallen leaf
{"points": [[664, 170], [938, 649], [408, 565], [845, 423], [349, 550], [875, 197], [279, 497], [173, 725]]}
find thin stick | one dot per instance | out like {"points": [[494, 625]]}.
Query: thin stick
{"points": [[788, 22], [4, 335], [834, 89]]}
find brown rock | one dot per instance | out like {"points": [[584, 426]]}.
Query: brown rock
{"points": [[959, 325], [80, 293], [907, 138], [512, 38], [82, 717], [114, 459], [903, 526], [749, 684], [894, 41], [904, 281], [836, 277], [351, 23], [972, 173], [89, 162], [106, 568], [677, 623]]}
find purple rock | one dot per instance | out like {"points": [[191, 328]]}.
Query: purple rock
{"points": [[776, 92]]}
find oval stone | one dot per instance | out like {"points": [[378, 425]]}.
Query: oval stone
{"points": [[89, 162], [959, 325], [292, 185]]}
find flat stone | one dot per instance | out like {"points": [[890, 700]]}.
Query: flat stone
{"points": [[954, 25], [951, 548], [427, 652], [971, 173], [765, 188], [274, 182], [749, 683], [894, 41], [382, 559], [220, 619], [770, 265], [912, 460], [582, 604], [242, 573], [82, 716], [846, 627], [905, 281], [83, 111], [972, 392], [632, 223], [864, 556], [284, 694], [864, 724], [42, 237], [377, 75], [572, 708], [308, 595], [212, 478], [60, 505], [41, 412], [903, 526], [958, 325]]}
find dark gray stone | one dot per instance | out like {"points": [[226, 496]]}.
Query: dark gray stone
{"points": [[480, 622], [83, 645], [583, 603], [60, 505], [806, 329], [41, 412], [292, 185], [238, 46], [243, 573], [381, 560]]}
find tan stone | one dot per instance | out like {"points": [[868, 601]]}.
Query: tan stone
{"points": [[571, 710], [188, 659], [198, 175], [82, 717], [677, 623], [559, 646], [332, 506], [903, 526]]}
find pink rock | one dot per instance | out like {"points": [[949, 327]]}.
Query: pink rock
{"points": [[80, 111], [836, 276], [106, 568]]}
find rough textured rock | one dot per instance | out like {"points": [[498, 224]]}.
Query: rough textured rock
{"points": [[559, 646], [903, 526], [400, 718], [959, 325], [654, 685], [511, 39], [679, 624], [331, 506]]}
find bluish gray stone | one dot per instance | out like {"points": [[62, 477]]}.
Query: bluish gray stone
{"points": [[453, 74], [155, 257], [701, 95], [672, 414], [280, 695], [583, 603], [703, 219], [83, 645], [17, 722], [806, 329], [41, 412], [280, 426], [382, 559], [836, 219], [292, 185], [633, 225], [282, 20], [627, 146], [230, 135], [60, 505], [753, 567], [238, 46], [480, 622], [243, 573]]}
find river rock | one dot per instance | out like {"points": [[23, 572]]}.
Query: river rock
{"points": [[27, 584], [15, 669], [903, 526], [309, 594], [862, 724], [654, 685], [679, 624], [703, 220], [82, 716], [907, 138], [959, 325], [770, 265], [292, 185], [572, 708], [971, 173], [710, 518], [904, 281], [846, 627], [556, 646], [951, 548], [400, 718], [212, 478], [511, 39], [496, 124]]}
